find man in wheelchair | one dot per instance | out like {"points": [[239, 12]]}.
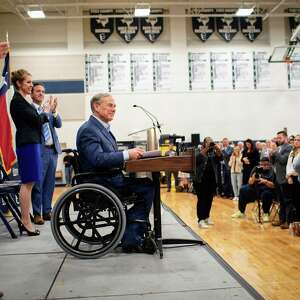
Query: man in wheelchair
{"points": [[98, 152], [261, 186]]}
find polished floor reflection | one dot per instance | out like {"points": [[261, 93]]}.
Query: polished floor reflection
{"points": [[266, 256]]}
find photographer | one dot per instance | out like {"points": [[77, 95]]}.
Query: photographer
{"points": [[261, 185], [205, 179]]}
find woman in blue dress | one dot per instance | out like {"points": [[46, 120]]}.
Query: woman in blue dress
{"points": [[28, 143]]}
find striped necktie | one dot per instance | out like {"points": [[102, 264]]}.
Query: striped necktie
{"points": [[46, 130]]}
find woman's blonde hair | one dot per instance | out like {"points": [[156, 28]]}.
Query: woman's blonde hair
{"points": [[18, 75]]}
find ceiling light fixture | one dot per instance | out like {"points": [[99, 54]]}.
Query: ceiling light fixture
{"points": [[142, 10], [36, 13], [244, 12]]}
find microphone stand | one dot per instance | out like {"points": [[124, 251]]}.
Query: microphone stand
{"points": [[151, 116], [152, 142]]}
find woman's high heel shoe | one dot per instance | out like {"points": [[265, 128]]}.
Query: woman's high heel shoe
{"points": [[29, 233]]}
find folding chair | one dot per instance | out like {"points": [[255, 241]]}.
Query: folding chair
{"points": [[9, 190]]}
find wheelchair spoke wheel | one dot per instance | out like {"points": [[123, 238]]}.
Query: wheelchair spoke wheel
{"points": [[88, 221]]}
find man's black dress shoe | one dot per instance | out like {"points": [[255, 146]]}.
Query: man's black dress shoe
{"points": [[38, 220], [148, 247], [47, 217]]}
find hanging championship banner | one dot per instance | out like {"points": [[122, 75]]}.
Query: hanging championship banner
{"points": [[203, 26], [102, 27], [152, 26], [227, 26], [127, 27], [251, 26], [294, 21]]}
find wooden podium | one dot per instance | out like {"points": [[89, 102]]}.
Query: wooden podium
{"points": [[185, 163]]}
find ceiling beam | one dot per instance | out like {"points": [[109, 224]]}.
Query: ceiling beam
{"points": [[16, 11], [155, 3], [87, 16], [281, 2]]}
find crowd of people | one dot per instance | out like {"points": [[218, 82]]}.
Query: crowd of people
{"points": [[247, 171]]}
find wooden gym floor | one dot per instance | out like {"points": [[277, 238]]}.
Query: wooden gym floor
{"points": [[267, 257]]}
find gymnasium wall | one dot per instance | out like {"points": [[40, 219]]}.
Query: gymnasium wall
{"points": [[54, 51]]}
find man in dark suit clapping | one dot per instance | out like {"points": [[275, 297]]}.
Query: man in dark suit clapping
{"points": [[43, 191], [98, 151]]}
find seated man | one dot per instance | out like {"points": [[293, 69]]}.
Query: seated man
{"points": [[98, 151], [261, 186]]}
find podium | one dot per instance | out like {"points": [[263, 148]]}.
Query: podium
{"points": [[185, 163], [152, 141]]}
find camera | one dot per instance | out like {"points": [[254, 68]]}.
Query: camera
{"points": [[211, 147], [258, 172]]}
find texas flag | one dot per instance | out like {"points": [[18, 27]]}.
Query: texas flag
{"points": [[7, 154]]}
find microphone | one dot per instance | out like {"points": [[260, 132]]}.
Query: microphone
{"points": [[150, 116]]}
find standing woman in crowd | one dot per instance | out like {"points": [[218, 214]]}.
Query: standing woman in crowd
{"points": [[205, 179], [28, 143], [236, 167], [292, 178], [250, 159]]}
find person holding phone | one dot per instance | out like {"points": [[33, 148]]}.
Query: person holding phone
{"points": [[250, 159], [236, 168], [205, 179]]}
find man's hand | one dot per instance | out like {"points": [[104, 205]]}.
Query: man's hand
{"points": [[3, 49], [263, 181], [252, 180], [217, 147], [273, 147], [204, 151], [50, 105], [266, 182], [135, 153], [290, 180], [53, 104], [46, 106], [218, 150]]}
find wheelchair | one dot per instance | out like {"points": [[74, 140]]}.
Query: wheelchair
{"points": [[89, 219]]}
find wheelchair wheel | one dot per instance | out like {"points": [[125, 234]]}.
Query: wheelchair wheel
{"points": [[88, 221]]}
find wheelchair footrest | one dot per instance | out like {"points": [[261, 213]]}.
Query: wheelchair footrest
{"points": [[137, 221]]}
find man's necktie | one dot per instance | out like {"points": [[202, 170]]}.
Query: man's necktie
{"points": [[45, 129], [113, 139]]}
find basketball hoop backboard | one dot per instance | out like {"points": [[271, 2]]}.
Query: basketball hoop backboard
{"points": [[285, 54]]}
